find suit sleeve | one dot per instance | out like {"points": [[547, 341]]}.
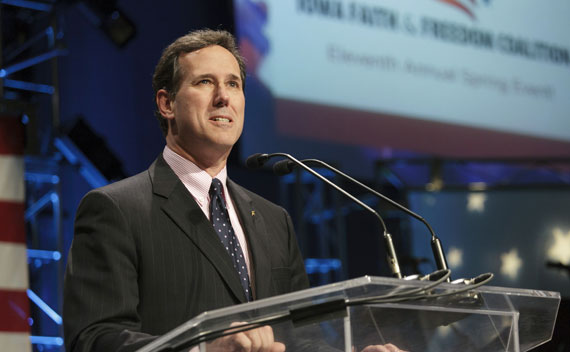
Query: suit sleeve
{"points": [[100, 289]]}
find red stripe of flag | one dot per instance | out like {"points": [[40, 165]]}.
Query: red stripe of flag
{"points": [[14, 311], [12, 227], [11, 135], [14, 304]]}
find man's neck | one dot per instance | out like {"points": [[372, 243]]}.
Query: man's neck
{"points": [[211, 162]]}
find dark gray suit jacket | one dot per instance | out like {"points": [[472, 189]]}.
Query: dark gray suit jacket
{"points": [[145, 259]]}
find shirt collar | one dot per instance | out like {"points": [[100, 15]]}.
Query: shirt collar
{"points": [[196, 180]]}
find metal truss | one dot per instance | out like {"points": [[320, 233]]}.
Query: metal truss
{"points": [[29, 53], [45, 246], [29, 50]]}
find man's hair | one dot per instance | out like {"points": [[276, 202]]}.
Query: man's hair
{"points": [[168, 73]]}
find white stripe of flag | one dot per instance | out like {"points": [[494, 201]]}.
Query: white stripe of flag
{"points": [[12, 178], [15, 341], [13, 266]]}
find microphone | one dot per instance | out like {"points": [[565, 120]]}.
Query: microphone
{"points": [[285, 167], [257, 160]]}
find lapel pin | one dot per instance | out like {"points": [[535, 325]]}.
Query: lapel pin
{"points": [[253, 213]]}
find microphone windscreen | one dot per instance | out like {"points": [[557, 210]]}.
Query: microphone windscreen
{"points": [[256, 160], [283, 167]]}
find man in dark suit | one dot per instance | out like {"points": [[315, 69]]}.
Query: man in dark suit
{"points": [[145, 257]]}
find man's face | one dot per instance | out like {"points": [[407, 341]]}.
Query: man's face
{"points": [[209, 105]]}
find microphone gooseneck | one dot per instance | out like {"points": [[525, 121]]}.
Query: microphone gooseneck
{"points": [[436, 246], [281, 168]]}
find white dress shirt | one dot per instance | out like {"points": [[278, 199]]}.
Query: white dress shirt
{"points": [[198, 182]]}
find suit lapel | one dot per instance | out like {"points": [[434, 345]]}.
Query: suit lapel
{"points": [[181, 207], [256, 234]]}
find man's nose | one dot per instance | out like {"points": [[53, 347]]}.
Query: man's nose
{"points": [[222, 97]]}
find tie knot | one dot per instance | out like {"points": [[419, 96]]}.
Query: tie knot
{"points": [[216, 188]]}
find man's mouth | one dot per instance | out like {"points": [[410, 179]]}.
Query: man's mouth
{"points": [[220, 119]]}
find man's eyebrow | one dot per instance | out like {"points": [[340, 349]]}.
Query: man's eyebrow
{"points": [[204, 75], [230, 76], [234, 77]]}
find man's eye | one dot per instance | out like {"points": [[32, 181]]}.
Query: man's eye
{"points": [[234, 84], [204, 81]]}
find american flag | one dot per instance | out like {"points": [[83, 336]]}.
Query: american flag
{"points": [[14, 304]]}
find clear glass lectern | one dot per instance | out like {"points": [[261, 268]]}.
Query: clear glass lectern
{"points": [[319, 319]]}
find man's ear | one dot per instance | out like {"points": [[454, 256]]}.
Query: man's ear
{"points": [[164, 104]]}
